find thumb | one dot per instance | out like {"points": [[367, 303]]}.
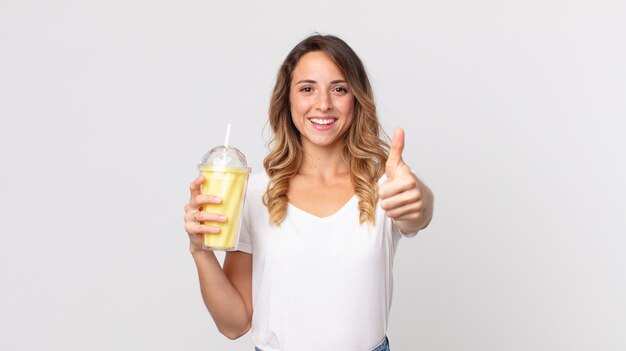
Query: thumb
{"points": [[394, 161]]}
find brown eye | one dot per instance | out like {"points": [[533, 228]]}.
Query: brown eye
{"points": [[306, 89]]}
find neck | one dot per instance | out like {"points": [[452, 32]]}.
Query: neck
{"points": [[324, 162]]}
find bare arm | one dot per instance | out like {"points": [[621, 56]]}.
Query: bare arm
{"points": [[226, 291]]}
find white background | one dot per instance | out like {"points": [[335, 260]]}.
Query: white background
{"points": [[514, 115]]}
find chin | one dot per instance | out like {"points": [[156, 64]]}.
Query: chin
{"points": [[325, 142]]}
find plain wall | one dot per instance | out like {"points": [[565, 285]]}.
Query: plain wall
{"points": [[514, 116]]}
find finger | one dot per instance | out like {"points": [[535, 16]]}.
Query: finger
{"points": [[194, 187], [410, 216], [189, 215], [399, 185], [400, 200], [411, 211], [203, 199], [203, 216], [395, 153], [195, 228]]}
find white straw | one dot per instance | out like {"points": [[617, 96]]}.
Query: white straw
{"points": [[227, 135]]}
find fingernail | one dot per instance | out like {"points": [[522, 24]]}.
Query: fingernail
{"points": [[217, 199], [222, 218]]}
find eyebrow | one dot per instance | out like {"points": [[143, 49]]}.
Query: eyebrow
{"points": [[311, 81]]}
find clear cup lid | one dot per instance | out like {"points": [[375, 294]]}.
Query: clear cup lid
{"points": [[224, 156]]}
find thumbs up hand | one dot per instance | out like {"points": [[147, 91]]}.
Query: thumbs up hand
{"points": [[407, 201]]}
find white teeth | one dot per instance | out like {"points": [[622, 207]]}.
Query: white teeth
{"points": [[322, 120]]}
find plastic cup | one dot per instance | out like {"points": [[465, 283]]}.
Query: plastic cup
{"points": [[225, 172]]}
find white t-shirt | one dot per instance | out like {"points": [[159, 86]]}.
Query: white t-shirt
{"points": [[318, 283]]}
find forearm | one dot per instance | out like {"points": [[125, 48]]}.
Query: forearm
{"points": [[224, 302]]}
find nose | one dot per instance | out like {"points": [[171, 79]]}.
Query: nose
{"points": [[324, 102]]}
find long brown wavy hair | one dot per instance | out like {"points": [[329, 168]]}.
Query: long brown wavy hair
{"points": [[365, 146]]}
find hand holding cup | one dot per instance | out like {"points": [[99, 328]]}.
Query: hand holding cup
{"points": [[198, 222]]}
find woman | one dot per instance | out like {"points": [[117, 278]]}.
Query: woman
{"points": [[320, 228]]}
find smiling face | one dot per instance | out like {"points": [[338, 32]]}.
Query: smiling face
{"points": [[322, 105]]}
